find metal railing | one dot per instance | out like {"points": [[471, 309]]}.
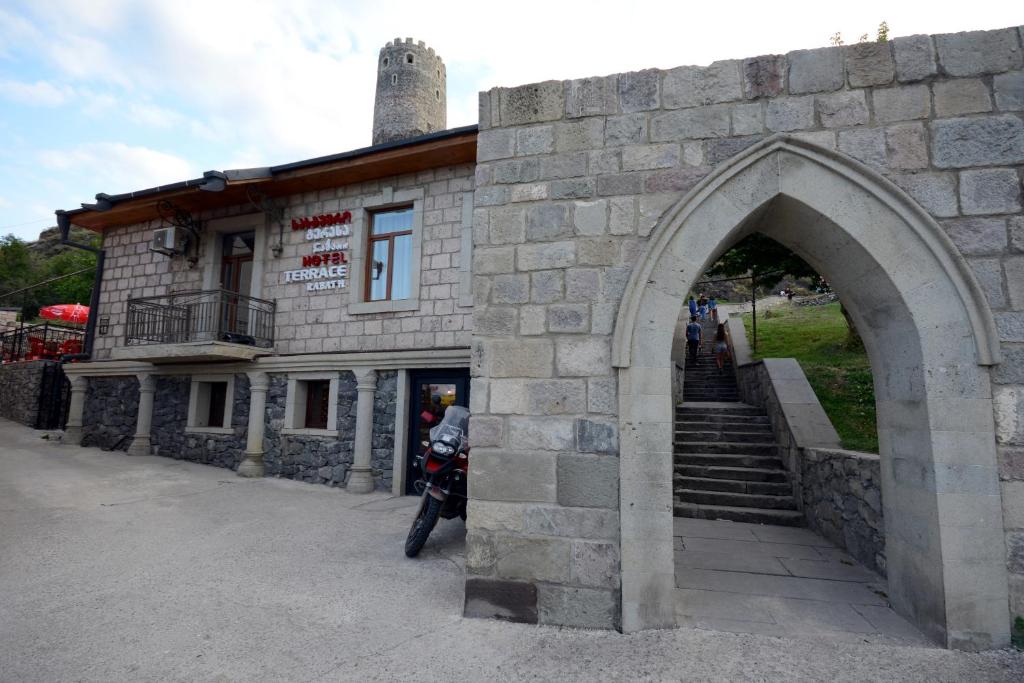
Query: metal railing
{"points": [[42, 341], [210, 315]]}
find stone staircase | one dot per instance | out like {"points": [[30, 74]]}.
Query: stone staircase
{"points": [[725, 458]]}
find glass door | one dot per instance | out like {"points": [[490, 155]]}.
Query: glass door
{"points": [[430, 392], [236, 278]]}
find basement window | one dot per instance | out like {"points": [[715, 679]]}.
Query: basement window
{"points": [[311, 404], [210, 401]]}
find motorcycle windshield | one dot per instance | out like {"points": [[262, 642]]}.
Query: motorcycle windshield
{"points": [[453, 428]]}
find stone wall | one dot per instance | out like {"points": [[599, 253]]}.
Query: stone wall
{"points": [[383, 446], [572, 178], [20, 386], [171, 437], [842, 500], [314, 322], [111, 406]]}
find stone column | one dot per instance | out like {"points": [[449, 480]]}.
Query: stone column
{"points": [[73, 429], [147, 387], [360, 480], [252, 466]]}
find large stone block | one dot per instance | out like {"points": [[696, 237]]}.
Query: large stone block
{"points": [[979, 141], [697, 86], [569, 522], [490, 261], [495, 144], [534, 103], [628, 129], [513, 476], [747, 119], [546, 256], [512, 288], [1013, 267], [501, 599], [790, 113], [602, 396], [588, 480], [979, 52], [582, 284], [725, 148], [699, 123], [546, 286], [650, 157], [869, 64], [580, 607], [541, 433], [978, 237], [620, 184], [906, 146], [818, 70], [595, 564], [519, 358], [640, 90], [573, 188], [842, 109], [987, 191], [494, 320], [935, 192], [764, 76], [545, 397], [592, 97], [597, 436], [572, 136], [591, 218], [915, 58], [563, 166], [1011, 460], [487, 430], [989, 273], [535, 140], [583, 357], [1009, 91], [961, 96], [902, 103], [515, 171], [548, 221], [507, 225], [865, 145], [569, 318]]}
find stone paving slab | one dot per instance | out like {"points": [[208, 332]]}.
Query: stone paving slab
{"points": [[824, 569], [777, 586], [732, 562], [727, 545]]}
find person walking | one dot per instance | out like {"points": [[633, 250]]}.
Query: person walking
{"points": [[693, 338], [693, 306], [702, 307], [721, 347], [713, 307]]}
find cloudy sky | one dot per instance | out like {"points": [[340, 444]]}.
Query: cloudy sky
{"points": [[117, 95]]}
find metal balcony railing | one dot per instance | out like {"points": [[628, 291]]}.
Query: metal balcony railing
{"points": [[44, 341], [195, 316]]}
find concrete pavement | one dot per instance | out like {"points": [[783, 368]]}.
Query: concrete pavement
{"points": [[118, 568]]}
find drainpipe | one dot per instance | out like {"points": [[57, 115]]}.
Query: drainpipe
{"points": [[64, 224]]}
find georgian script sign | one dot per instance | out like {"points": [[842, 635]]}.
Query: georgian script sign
{"points": [[327, 267]]}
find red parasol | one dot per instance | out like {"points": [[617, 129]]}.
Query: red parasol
{"points": [[72, 313]]}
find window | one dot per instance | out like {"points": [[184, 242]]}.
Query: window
{"points": [[394, 79], [209, 404], [389, 264], [409, 58], [386, 60], [311, 404], [317, 403]]}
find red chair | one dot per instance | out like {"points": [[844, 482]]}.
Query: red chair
{"points": [[36, 349], [71, 346]]}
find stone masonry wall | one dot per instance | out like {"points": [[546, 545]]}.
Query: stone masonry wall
{"points": [[573, 176], [842, 500], [314, 322], [20, 386], [111, 406]]}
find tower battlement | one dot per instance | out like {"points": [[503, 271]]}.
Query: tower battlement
{"points": [[411, 94]]}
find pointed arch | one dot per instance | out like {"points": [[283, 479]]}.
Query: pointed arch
{"points": [[930, 336]]}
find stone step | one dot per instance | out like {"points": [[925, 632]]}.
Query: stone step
{"points": [[730, 411], [732, 447], [752, 515], [769, 488], [728, 460], [738, 500], [725, 421], [759, 436], [721, 396], [753, 474]]}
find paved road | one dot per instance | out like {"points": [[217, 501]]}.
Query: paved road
{"points": [[148, 569]]}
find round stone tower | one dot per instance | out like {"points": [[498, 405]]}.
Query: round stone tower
{"points": [[411, 97]]}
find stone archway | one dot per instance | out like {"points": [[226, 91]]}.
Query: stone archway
{"points": [[929, 335]]}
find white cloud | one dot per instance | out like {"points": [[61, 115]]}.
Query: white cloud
{"points": [[114, 167], [40, 93], [4, 202]]}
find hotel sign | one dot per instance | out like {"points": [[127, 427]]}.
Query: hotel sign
{"points": [[327, 267]]}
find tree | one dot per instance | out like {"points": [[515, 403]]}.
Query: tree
{"points": [[16, 266], [883, 32]]}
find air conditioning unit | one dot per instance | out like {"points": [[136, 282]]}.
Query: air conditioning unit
{"points": [[166, 241]]}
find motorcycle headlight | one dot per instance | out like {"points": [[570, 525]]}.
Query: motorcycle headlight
{"points": [[442, 448]]}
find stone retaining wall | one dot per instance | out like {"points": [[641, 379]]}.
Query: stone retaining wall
{"points": [[20, 386], [842, 500], [111, 406]]}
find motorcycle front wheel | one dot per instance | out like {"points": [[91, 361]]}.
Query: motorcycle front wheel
{"points": [[424, 523]]}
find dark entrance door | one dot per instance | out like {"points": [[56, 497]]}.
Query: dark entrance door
{"points": [[236, 278], [430, 392]]}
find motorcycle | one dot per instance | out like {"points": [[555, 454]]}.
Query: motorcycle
{"points": [[444, 466]]}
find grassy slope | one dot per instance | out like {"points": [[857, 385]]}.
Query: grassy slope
{"points": [[839, 374]]}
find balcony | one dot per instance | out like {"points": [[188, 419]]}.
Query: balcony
{"points": [[214, 325]]}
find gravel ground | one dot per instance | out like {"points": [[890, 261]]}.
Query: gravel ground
{"points": [[115, 568]]}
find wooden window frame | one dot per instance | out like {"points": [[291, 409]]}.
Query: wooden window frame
{"points": [[312, 409], [371, 240]]}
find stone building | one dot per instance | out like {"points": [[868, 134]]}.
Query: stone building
{"points": [[588, 208]]}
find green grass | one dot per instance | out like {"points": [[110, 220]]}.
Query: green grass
{"points": [[838, 371]]}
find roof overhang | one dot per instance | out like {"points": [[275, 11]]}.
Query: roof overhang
{"points": [[217, 189]]}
